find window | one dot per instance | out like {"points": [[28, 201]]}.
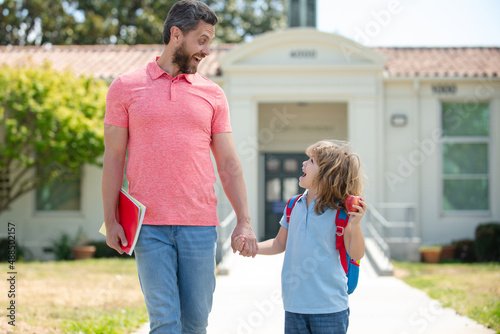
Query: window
{"points": [[302, 13], [63, 194], [465, 149]]}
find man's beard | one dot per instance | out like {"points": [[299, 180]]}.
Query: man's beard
{"points": [[183, 60]]}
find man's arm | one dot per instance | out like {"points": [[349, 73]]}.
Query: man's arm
{"points": [[115, 141], [231, 176]]}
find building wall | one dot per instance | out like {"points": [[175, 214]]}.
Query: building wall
{"points": [[413, 163], [38, 230]]}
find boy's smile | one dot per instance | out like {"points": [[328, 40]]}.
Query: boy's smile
{"points": [[310, 169]]}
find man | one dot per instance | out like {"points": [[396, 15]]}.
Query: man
{"points": [[169, 118]]}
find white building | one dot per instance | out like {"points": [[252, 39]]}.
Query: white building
{"points": [[425, 122]]}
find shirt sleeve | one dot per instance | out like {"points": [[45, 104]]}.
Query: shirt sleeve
{"points": [[116, 106], [283, 221], [221, 121]]}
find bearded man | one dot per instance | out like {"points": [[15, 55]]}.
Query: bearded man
{"points": [[169, 118]]}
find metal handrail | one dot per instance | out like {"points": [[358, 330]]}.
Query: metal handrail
{"points": [[379, 217], [378, 234], [386, 234], [224, 238], [379, 240], [410, 210], [227, 225], [229, 218]]}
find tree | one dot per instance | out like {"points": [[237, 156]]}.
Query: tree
{"points": [[51, 125], [36, 22], [243, 19]]}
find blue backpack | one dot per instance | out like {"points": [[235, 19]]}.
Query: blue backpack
{"points": [[350, 266]]}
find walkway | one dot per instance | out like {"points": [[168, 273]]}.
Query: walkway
{"points": [[247, 301]]}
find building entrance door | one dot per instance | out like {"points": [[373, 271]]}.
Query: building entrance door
{"points": [[282, 172]]}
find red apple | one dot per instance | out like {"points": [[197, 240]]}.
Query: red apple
{"points": [[350, 201]]}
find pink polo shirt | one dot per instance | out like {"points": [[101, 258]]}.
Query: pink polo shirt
{"points": [[170, 124]]}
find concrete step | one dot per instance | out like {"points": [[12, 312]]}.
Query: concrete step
{"points": [[380, 263]]}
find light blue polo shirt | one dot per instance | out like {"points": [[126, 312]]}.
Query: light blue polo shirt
{"points": [[312, 280]]}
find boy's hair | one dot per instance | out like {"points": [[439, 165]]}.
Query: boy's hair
{"points": [[185, 15], [339, 174]]}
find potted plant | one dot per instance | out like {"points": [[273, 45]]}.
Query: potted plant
{"points": [[431, 254], [62, 247], [81, 249], [448, 252]]}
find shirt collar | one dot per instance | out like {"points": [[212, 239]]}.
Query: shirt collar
{"points": [[156, 71], [304, 196]]}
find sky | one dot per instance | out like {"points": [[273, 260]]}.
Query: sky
{"points": [[412, 22]]}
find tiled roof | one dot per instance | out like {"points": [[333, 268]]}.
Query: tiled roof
{"points": [[442, 62], [102, 61], [108, 61]]}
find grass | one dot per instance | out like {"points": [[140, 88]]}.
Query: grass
{"points": [[104, 297], [90, 296], [473, 290]]}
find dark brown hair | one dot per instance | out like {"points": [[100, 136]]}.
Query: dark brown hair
{"points": [[186, 15]]}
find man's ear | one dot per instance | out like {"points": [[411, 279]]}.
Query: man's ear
{"points": [[175, 35]]}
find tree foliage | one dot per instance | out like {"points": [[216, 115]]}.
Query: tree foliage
{"points": [[51, 124], [243, 19], [36, 22]]}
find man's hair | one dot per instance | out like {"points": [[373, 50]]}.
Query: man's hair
{"points": [[339, 174], [185, 15]]}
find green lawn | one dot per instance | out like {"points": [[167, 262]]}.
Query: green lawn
{"points": [[90, 296], [473, 290]]}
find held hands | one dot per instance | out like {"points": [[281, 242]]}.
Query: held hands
{"points": [[239, 243], [244, 241], [361, 210]]}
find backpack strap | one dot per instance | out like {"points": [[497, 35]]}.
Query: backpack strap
{"points": [[341, 222], [290, 205]]}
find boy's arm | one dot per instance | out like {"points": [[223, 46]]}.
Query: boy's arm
{"points": [[274, 246], [353, 236]]}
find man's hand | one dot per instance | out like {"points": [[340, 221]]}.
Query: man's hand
{"points": [[115, 237], [250, 241]]}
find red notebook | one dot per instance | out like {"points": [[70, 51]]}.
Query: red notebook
{"points": [[130, 214]]}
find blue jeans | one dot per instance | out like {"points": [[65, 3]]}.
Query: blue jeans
{"points": [[176, 266], [329, 323]]}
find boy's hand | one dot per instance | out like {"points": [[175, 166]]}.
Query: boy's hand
{"points": [[250, 246], [355, 217], [239, 243]]}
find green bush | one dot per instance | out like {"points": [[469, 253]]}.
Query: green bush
{"points": [[4, 251], [50, 126], [465, 250], [487, 244]]}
